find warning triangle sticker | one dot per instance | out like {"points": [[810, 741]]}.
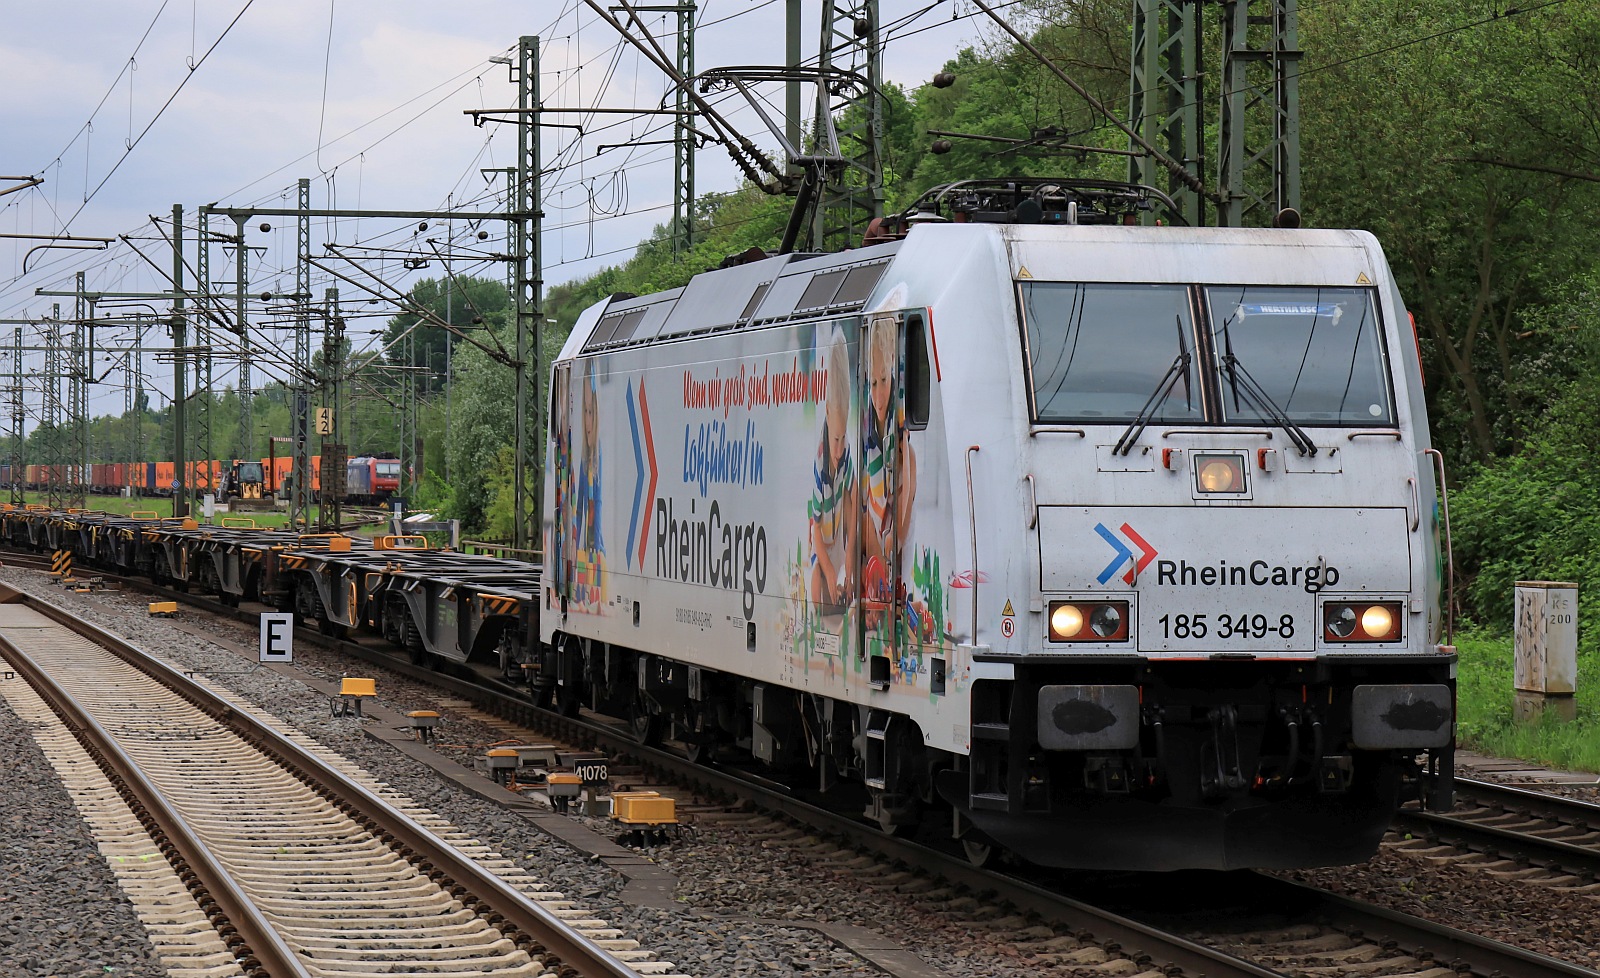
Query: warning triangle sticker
{"points": [[1024, 273], [1008, 612], [1362, 279]]}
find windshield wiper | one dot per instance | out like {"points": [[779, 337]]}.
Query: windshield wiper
{"points": [[1164, 389], [1275, 415]]}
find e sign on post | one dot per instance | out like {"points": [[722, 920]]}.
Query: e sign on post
{"points": [[277, 637]]}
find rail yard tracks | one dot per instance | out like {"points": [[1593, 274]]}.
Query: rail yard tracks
{"points": [[293, 867]]}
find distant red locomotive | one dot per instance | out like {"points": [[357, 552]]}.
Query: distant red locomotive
{"points": [[371, 479]]}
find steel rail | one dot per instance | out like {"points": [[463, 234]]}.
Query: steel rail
{"points": [[1551, 806], [1478, 955], [1114, 932], [257, 945], [1530, 846], [476, 887]]}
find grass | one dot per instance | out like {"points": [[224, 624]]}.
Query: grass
{"points": [[1486, 718]]}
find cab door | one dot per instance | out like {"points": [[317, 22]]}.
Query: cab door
{"points": [[883, 459], [895, 381], [562, 513]]}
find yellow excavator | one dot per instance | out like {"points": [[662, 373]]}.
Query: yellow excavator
{"points": [[242, 480]]}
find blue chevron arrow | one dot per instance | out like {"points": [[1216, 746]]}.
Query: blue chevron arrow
{"points": [[638, 479], [1123, 553]]}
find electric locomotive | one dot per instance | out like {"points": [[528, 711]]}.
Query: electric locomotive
{"points": [[1112, 545]]}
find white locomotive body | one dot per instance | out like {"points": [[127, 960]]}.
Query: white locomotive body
{"points": [[1117, 542]]}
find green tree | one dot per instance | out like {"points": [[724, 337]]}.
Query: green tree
{"points": [[464, 301], [1469, 149]]}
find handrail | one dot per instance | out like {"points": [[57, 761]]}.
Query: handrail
{"points": [[399, 541], [1033, 495], [482, 547], [1373, 434], [972, 519], [1449, 551], [1049, 429], [1215, 431], [1416, 502], [306, 540]]}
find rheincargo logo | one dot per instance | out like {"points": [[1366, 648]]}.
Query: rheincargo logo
{"points": [[1256, 573], [1124, 555]]}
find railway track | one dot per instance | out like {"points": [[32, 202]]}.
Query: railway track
{"points": [[1323, 931], [1540, 836], [299, 868]]}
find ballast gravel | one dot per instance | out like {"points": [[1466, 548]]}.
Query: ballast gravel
{"points": [[743, 903], [62, 913]]}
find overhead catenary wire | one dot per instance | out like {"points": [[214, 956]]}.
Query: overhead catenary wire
{"points": [[634, 155]]}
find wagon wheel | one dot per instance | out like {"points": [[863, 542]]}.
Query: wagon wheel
{"points": [[567, 698], [898, 821], [644, 725], [979, 851]]}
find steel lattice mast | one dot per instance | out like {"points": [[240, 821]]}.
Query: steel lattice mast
{"points": [[855, 195]]}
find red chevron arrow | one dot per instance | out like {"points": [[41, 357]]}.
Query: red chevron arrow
{"points": [[1147, 553]]}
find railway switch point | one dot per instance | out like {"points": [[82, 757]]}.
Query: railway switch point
{"points": [[163, 609], [503, 763], [351, 693], [645, 815], [422, 724], [562, 789], [537, 755]]}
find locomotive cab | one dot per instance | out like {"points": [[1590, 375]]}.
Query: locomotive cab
{"points": [[1233, 653]]}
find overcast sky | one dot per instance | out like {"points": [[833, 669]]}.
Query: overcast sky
{"points": [[231, 102]]}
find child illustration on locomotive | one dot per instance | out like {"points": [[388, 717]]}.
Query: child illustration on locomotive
{"points": [[889, 486], [834, 499], [590, 545]]}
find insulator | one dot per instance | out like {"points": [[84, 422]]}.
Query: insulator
{"points": [[944, 79], [941, 147], [265, 227]]}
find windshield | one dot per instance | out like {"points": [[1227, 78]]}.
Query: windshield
{"points": [[250, 471], [1099, 351], [1316, 352], [389, 468]]}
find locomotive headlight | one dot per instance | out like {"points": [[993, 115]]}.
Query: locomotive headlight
{"points": [[1361, 622], [1341, 620], [1066, 622], [1219, 473], [1377, 621], [1088, 621], [1105, 621]]}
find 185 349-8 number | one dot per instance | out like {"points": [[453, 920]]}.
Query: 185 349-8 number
{"points": [[1225, 626]]}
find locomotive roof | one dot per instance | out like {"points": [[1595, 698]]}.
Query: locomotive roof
{"points": [[769, 290], [800, 286]]}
